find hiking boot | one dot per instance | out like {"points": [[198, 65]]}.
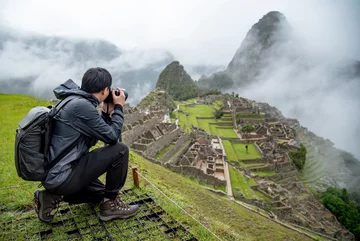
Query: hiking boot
{"points": [[112, 209], [45, 202]]}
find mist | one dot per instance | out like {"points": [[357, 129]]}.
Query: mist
{"points": [[319, 88], [36, 64]]}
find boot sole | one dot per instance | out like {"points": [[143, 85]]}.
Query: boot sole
{"points": [[39, 210], [108, 218]]}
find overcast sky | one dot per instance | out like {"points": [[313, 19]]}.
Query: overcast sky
{"points": [[195, 31]]}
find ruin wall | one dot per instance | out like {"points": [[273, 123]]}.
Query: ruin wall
{"points": [[196, 173], [129, 136], [163, 141], [178, 145]]}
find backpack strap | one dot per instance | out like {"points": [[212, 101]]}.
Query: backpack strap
{"points": [[61, 104], [54, 111]]}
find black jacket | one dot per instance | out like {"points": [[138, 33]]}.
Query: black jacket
{"points": [[79, 121]]}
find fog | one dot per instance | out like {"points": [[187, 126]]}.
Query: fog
{"points": [[320, 89]]}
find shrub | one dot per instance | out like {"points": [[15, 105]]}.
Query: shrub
{"points": [[218, 114], [298, 157], [247, 128]]}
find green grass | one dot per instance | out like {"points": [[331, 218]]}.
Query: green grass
{"points": [[13, 110], [227, 219], [202, 183], [241, 154], [176, 154], [226, 132], [208, 124], [230, 153], [217, 104], [242, 183], [265, 173], [163, 151]]}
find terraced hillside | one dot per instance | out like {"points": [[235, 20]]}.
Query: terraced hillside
{"points": [[202, 116]]}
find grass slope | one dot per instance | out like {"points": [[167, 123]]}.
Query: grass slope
{"points": [[227, 219]]}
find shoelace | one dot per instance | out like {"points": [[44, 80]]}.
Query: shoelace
{"points": [[117, 203]]}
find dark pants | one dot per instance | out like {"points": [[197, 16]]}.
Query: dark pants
{"points": [[83, 185]]}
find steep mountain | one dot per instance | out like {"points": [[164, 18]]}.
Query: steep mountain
{"points": [[265, 39], [35, 64], [177, 82], [275, 65]]}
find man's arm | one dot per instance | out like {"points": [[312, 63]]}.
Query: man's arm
{"points": [[90, 123]]}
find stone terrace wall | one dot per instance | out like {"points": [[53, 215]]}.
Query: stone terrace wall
{"points": [[163, 141], [133, 117], [178, 145], [132, 135], [196, 173]]}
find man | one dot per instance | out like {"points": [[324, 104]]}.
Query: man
{"points": [[78, 126]]}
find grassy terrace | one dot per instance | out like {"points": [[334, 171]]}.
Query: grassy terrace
{"points": [[312, 171], [237, 151], [202, 116], [242, 184], [163, 151], [222, 216], [202, 183], [265, 173]]}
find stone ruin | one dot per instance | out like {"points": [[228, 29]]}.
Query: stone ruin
{"points": [[200, 155], [209, 99], [202, 159]]}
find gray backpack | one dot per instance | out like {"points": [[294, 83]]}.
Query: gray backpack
{"points": [[32, 142]]}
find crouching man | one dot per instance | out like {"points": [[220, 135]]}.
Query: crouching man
{"points": [[77, 127]]}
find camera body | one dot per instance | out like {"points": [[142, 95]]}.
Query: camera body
{"points": [[109, 99]]}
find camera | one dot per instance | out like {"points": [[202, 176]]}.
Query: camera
{"points": [[109, 99]]}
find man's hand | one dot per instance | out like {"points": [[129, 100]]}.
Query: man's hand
{"points": [[119, 99]]}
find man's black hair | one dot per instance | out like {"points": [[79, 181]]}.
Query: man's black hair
{"points": [[95, 80]]}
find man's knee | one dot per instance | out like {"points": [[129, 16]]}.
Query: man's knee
{"points": [[122, 149]]}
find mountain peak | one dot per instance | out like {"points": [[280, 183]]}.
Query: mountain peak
{"points": [[177, 82], [272, 29]]}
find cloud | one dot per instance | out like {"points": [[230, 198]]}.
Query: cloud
{"points": [[319, 89], [196, 31], [40, 63]]}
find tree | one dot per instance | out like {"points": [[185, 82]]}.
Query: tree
{"points": [[345, 210], [218, 113], [298, 157], [247, 128]]}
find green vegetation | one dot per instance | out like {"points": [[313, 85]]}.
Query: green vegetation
{"points": [[13, 110], [298, 157], [202, 116], [177, 82], [218, 113], [230, 153], [237, 151], [163, 151], [241, 154], [227, 219], [346, 211], [241, 184], [265, 173], [226, 132], [202, 183], [155, 98], [247, 128]]}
